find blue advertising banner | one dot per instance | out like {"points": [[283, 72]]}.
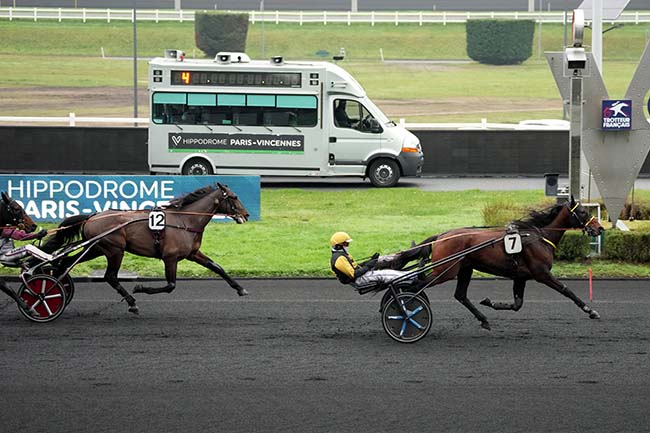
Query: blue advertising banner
{"points": [[51, 198]]}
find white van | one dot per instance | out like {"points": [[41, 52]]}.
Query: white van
{"points": [[232, 115]]}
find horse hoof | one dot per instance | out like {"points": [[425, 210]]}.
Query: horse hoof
{"points": [[486, 302], [134, 309], [594, 315], [242, 292], [486, 325]]}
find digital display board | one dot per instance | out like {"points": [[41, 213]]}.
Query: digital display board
{"points": [[235, 79]]}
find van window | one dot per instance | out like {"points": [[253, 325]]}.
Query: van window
{"points": [[349, 113], [235, 109]]}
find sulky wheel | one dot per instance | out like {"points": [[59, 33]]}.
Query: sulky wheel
{"points": [[403, 287], [44, 296], [66, 282], [409, 326]]}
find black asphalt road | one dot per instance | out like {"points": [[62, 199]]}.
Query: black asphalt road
{"points": [[311, 356]]}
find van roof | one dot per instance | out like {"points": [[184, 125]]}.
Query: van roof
{"points": [[336, 80]]}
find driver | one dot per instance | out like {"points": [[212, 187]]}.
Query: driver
{"points": [[348, 271], [9, 254]]}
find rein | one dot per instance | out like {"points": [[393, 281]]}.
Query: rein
{"points": [[96, 217]]}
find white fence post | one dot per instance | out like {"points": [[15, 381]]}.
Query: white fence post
{"points": [[132, 15], [396, 18], [324, 18], [301, 18], [444, 18], [277, 17], [11, 14], [83, 14], [108, 15], [157, 16], [72, 120], [35, 14], [180, 15], [372, 18], [349, 17], [420, 18], [59, 14]]}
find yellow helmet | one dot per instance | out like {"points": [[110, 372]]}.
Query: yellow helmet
{"points": [[339, 238]]}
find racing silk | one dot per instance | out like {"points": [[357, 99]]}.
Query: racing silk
{"points": [[8, 234], [345, 268]]}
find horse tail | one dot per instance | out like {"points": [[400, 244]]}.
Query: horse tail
{"points": [[69, 230]]}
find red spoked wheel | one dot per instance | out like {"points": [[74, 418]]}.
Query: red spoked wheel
{"points": [[66, 282], [44, 296]]}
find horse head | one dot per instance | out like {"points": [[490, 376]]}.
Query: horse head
{"points": [[582, 219], [12, 213], [230, 205]]}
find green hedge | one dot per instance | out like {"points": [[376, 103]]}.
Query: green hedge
{"points": [[573, 246], [500, 42], [218, 31], [627, 246]]}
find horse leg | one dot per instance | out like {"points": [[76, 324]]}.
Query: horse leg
{"points": [[207, 262], [171, 264], [113, 263], [6, 289], [560, 287], [464, 277], [518, 293]]}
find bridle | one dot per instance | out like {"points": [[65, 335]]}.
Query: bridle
{"points": [[227, 198], [16, 218], [581, 224]]}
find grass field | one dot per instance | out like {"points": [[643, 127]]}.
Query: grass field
{"points": [[49, 55], [292, 237]]}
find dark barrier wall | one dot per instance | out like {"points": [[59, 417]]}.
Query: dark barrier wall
{"points": [[40, 149], [481, 152], [28, 149]]}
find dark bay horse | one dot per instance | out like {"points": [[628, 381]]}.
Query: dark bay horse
{"points": [[13, 216], [185, 221], [540, 234]]}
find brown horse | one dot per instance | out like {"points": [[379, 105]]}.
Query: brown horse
{"points": [[540, 234], [13, 216], [185, 221]]}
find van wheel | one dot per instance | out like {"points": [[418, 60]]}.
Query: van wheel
{"points": [[384, 172], [197, 167]]}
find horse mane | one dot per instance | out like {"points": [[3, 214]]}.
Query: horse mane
{"points": [[189, 198], [540, 218]]}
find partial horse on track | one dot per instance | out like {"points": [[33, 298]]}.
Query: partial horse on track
{"points": [[185, 221], [540, 232]]}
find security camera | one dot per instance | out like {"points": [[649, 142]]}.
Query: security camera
{"points": [[576, 58]]}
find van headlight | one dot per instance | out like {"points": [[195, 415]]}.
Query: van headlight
{"points": [[411, 144]]}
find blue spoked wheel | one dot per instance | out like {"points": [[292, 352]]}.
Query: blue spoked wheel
{"points": [[407, 326]]}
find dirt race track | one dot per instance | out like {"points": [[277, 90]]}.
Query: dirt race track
{"points": [[311, 356]]}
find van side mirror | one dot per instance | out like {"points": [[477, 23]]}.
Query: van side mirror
{"points": [[375, 127]]}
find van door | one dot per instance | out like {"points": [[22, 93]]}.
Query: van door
{"points": [[354, 135]]}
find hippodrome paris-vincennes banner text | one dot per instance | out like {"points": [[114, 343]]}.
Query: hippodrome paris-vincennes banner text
{"points": [[246, 143], [51, 198]]}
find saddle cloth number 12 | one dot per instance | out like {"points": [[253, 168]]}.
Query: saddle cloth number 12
{"points": [[156, 220]]}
